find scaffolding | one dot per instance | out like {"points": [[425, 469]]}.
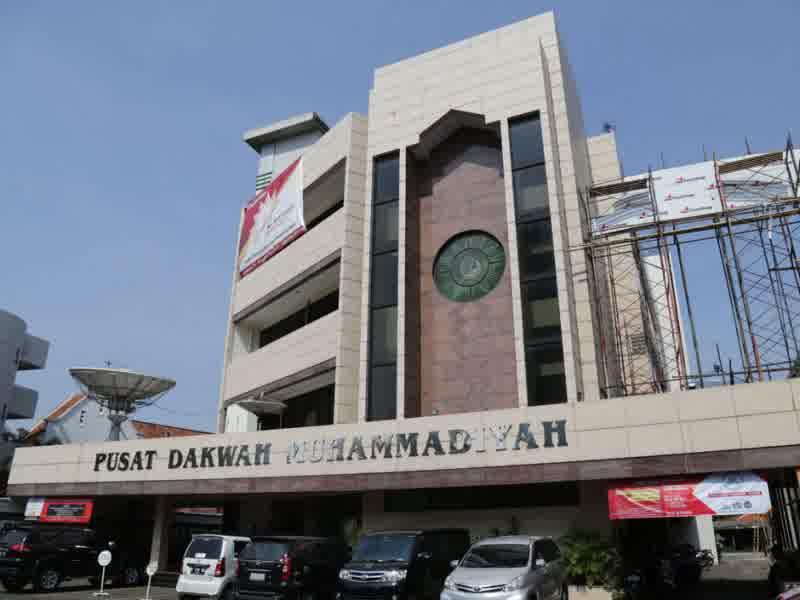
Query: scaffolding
{"points": [[640, 248]]}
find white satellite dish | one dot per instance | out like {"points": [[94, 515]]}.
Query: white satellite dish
{"points": [[120, 391]]}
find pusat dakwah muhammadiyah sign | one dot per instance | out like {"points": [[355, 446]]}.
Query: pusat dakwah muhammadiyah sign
{"points": [[354, 448], [272, 219]]}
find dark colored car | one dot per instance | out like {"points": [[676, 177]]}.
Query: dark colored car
{"points": [[290, 567], [47, 555], [402, 565]]}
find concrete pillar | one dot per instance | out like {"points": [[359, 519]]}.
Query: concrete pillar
{"points": [[162, 523]]}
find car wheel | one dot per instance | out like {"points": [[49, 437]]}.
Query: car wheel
{"points": [[46, 580], [227, 594], [14, 585]]}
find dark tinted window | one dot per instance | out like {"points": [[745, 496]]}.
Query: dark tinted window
{"points": [[536, 249], [527, 147], [540, 311], [547, 382], [387, 179], [48, 536], [271, 550], [384, 335], [385, 548], [385, 227], [382, 392], [324, 306], [530, 192], [546, 549], [204, 547], [381, 402], [74, 538], [497, 556], [238, 547], [384, 279], [14, 536]]}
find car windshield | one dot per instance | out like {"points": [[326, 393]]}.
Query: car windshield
{"points": [[266, 550], [204, 547], [385, 548], [14, 536], [497, 556]]}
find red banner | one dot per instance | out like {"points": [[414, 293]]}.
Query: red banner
{"points": [[723, 494], [67, 511], [273, 219]]}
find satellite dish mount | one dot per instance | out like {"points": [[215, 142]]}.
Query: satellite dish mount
{"points": [[120, 392]]}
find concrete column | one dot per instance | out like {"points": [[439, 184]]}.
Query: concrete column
{"points": [[159, 547]]}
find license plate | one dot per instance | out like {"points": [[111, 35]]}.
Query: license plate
{"points": [[198, 571], [257, 577]]}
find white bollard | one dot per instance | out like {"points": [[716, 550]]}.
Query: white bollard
{"points": [[103, 559], [150, 570]]}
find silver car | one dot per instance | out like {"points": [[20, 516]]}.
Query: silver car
{"points": [[518, 567]]}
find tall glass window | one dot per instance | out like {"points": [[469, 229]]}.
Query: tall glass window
{"points": [[382, 378], [544, 352]]}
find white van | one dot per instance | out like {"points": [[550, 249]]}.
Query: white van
{"points": [[209, 565]]}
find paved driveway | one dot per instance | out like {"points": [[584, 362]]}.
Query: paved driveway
{"points": [[80, 589], [742, 577]]}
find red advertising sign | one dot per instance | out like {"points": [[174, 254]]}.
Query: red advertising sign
{"points": [[67, 511], [272, 219], [722, 494]]}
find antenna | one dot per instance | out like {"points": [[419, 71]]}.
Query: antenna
{"points": [[120, 391]]}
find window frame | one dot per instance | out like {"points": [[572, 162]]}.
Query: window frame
{"points": [[380, 200]]}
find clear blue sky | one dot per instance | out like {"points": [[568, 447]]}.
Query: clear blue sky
{"points": [[122, 169]]}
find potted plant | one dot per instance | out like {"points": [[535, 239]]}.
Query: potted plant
{"points": [[594, 566]]}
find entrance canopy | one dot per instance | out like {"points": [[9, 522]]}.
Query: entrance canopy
{"points": [[741, 493]]}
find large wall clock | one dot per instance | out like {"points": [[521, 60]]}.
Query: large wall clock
{"points": [[469, 266]]}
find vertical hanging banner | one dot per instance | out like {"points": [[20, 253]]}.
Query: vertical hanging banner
{"points": [[722, 494], [272, 219]]}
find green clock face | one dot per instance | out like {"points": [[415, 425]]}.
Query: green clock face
{"points": [[469, 266]]}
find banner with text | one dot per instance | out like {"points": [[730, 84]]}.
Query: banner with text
{"points": [[722, 494], [272, 219], [67, 511]]}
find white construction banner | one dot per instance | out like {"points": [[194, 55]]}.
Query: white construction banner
{"points": [[273, 219], [692, 190]]}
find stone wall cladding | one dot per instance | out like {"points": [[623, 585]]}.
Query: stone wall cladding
{"points": [[467, 360]]}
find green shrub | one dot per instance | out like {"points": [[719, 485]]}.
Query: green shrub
{"points": [[592, 560]]}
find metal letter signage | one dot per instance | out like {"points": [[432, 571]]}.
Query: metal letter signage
{"points": [[520, 437]]}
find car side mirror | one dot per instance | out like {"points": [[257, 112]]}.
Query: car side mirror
{"points": [[453, 564], [540, 562], [424, 555]]}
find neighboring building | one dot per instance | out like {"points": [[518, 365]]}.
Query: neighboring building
{"points": [[77, 420], [426, 350], [19, 351]]}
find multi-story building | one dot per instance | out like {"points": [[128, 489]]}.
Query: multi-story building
{"points": [[412, 336], [19, 351]]}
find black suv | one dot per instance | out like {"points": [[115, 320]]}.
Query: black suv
{"points": [[46, 555], [290, 566], [399, 565]]}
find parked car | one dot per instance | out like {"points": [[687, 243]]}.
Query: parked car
{"points": [[295, 567], [401, 565], [513, 567], [209, 566], [46, 555]]}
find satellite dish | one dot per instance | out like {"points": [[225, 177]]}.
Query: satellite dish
{"points": [[120, 391], [263, 407]]}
